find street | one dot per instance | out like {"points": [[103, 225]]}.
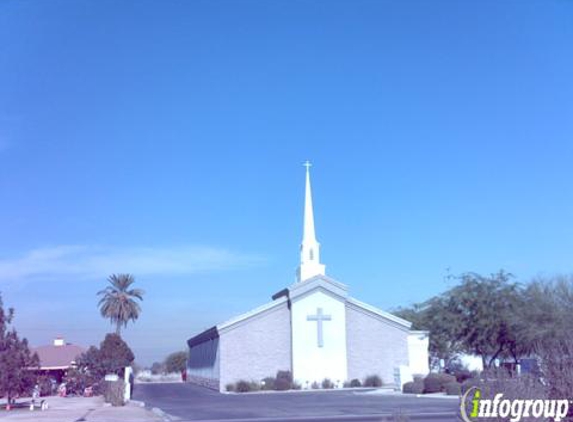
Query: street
{"points": [[192, 403]]}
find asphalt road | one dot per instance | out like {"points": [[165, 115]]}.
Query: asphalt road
{"points": [[192, 403]]}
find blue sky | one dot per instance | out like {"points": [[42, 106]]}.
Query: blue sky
{"points": [[166, 139]]}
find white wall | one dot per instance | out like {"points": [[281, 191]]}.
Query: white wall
{"points": [[310, 362], [418, 352]]}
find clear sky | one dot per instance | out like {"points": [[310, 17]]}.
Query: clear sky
{"points": [[166, 139]]}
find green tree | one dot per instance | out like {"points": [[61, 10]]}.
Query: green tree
{"points": [[16, 360], [119, 302], [111, 357], [443, 325], [486, 310], [176, 362], [482, 315]]}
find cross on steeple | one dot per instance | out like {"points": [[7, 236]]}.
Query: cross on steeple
{"points": [[319, 318]]}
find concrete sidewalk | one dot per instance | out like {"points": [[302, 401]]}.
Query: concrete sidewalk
{"points": [[89, 409]]}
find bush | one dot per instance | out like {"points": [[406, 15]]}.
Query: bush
{"points": [[373, 381], [413, 387], [355, 383], [432, 385], [230, 387], [453, 388], [268, 383], [283, 381], [435, 383], [243, 386], [327, 384], [315, 385], [47, 385], [469, 383]]}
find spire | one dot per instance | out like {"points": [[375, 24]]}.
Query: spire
{"points": [[308, 233], [310, 248]]}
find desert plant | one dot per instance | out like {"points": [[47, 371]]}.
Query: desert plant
{"points": [[355, 383], [268, 383], [373, 381], [453, 388], [243, 386], [434, 383], [413, 387], [283, 381]]}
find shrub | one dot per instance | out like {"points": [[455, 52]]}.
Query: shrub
{"points": [[315, 385], [268, 383], [47, 385], [453, 388], [373, 381], [230, 387], [413, 387], [327, 384], [283, 381], [355, 383], [469, 383], [282, 384], [434, 383], [243, 386]]}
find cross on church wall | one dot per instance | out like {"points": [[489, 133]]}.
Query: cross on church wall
{"points": [[319, 318]]}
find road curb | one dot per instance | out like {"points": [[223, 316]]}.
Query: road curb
{"points": [[163, 415]]}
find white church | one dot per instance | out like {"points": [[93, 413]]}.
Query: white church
{"points": [[312, 328]]}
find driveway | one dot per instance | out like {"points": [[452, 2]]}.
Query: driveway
{"points": [[192, 403]]}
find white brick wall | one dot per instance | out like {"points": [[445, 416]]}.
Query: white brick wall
{"points": [[257, 347], [374, 346]]}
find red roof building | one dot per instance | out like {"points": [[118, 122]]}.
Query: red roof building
{"points": [[58, 357]]}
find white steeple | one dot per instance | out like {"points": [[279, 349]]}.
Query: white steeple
{"points": [[310, 248]]}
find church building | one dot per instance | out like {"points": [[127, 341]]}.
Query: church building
{"points": [[314, 329]]}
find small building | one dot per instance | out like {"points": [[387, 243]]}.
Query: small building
{"points": [[57, 358]]}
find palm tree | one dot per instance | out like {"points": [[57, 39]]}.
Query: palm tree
{"points": [[118, 303]]}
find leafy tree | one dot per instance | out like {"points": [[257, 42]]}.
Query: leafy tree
{"points": [[16, 360], [112, 357], [486, 309], [443, 325], [157, 368], [176, 362], [118, 300], [115, 354]]}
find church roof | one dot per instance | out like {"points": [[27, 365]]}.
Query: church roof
{"points": [[379, 312]]}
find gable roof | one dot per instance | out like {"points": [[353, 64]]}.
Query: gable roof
{"points": [[379, 312], [58, 357], [299, 290]]}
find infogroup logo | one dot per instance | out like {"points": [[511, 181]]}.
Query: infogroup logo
{"points": [[516, 409]]}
